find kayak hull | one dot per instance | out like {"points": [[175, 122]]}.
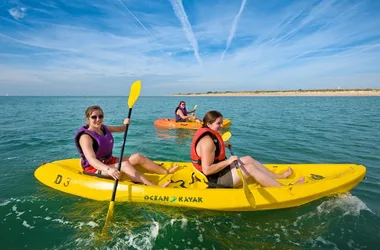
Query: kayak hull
{"points": [[188, 187], [171, 123]]}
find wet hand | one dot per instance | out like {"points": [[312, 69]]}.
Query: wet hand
{"points": [[232, 159], [114, 173], [126, 121]]}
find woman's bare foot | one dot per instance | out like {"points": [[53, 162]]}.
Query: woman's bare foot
{"points": [[300, 181], [287, 173], [173, 169], [165, 184]]}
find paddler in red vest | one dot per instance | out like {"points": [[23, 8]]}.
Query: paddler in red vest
{"points": [[208, 155]]}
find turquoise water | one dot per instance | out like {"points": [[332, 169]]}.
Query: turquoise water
{"points": [[271, 129]]}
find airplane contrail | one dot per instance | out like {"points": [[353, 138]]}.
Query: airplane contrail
{"points": [[142, 25], [233, 29], [179, 11]]}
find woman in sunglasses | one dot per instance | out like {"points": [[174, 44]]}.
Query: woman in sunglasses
{"points": [[94, 142], [182, 115], [208, 154]]}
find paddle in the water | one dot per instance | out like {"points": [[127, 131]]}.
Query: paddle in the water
{"points": [[248, 194], [133, 96]]}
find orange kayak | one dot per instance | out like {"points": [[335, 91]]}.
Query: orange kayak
{"points": [[171, 123]]}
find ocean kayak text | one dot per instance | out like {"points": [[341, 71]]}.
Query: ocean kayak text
{"points": [[174, 198]]}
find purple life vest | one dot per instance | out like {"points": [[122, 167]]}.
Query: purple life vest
{"points": [[102, 144], [177, 117]]}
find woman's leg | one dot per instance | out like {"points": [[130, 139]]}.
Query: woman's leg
{"points": [[139, 159], [251, 170], [248, 160], [197, 118], [133, 174], [193, 118]]}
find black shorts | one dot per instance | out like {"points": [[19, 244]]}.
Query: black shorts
{"points": [[223, 177]]}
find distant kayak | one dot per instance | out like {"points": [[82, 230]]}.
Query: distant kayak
{"points": [[189, 187], [171, 123]]}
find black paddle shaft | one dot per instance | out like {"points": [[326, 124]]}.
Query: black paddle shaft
{"points": [[232, 153], [121, 156]]}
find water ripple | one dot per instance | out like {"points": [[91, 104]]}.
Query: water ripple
{"points": [[271, 129]]}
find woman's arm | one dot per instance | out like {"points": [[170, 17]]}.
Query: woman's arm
{"points": [[86, 142], [207, 153], [120, 128]]}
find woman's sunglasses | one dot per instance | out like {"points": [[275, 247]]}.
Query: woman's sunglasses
{"points": [[94, 117]]}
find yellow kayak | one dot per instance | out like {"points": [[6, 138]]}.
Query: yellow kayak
{"points": [[189, 188], [171, 123]]}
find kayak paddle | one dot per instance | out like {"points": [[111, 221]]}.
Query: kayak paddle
{"points": [[133, 95], [226, 136], [248, 194], [195, 107]]}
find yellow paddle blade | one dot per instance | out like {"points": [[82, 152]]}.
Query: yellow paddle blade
{"points": [[226, 136], [134, 93], [247, 191], [248, 194], [110, 211], [195, 107], [109, 215]]}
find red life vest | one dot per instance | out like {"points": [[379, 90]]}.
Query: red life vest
{"points": [[220, 151]]}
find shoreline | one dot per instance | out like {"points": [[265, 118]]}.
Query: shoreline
{"points": [[337, 92]]}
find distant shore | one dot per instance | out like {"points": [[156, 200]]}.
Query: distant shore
{"points": [[317, 92]]}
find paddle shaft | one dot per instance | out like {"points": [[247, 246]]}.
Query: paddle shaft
{"points": [[236, 163], [121, 156], [248, 193]]}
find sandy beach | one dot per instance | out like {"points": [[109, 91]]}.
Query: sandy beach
{"points": [[337, 92]]}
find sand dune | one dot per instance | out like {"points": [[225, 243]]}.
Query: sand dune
{"points": [[332, 92]]}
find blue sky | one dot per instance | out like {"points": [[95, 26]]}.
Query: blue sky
{"points": [[73, 47]]}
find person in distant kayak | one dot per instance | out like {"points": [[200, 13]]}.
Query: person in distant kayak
{"points": [[208, 155], [182, 115], [94, 142]]}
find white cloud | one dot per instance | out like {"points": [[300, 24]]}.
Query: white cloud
{"points": [[262, 46], [18, 13]]}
